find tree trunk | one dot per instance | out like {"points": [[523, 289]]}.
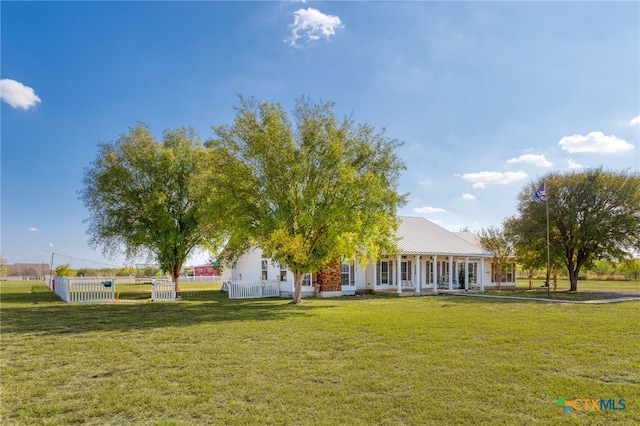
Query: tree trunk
{"points": [[573, 268], [530, 279], [297, 287], [573, 279], [175, 276]]}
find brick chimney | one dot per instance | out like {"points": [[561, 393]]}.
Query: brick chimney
{"points": [[329, 279]]}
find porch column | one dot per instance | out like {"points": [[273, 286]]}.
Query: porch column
{"points": [[375, 275], [482, 274], [450, 273], [418, 273], [434, 274], [399, 274], [355, 273], [466, 274]]}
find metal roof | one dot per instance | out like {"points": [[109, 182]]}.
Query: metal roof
{"points": [[421, 236]]}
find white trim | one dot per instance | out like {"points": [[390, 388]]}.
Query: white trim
{"points": [[399, 273], [434, 274], [418, 274], [466, 273]]}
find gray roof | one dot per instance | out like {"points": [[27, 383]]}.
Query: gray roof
{"points": [[421, 236], [469, 236]]}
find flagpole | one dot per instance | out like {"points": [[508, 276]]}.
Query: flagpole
{"points": [[548, 253], [539, 197]]}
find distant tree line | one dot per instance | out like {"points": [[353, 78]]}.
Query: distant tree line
{"points": [[628, 269], [65, 270]]}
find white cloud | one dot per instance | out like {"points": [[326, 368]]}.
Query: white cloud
{"points": [[594, 143], [311, 24], [425, 182], [635, 121], [535, 160], [466, 196], [428, 209], [17, 94], [32, 229], [482, 179], [51, 245], [573, 165]]}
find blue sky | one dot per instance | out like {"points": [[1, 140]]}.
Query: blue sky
{"points": [[486, 96]]}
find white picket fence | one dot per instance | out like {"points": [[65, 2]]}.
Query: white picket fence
{"points": [[253, 289], [85, 289], [103, 290], [163, 290]]}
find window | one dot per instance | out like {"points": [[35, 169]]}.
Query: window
{"points": [[265, 270], [384, 272], [473, 272], [307, 280], [507, 272], [346, 273], [283, 272], [405, 270]]}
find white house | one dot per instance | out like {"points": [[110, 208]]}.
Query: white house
{"points": [[430, 259]]}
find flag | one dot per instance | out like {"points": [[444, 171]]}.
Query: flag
{"points": [[541, 193]]}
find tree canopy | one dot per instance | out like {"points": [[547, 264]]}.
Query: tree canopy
{"points": [[64, 270], [307, 190], [494, 240], [146, 198], [594, 215]]}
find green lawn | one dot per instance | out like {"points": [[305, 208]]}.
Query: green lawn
{"points": [[585, 285], [354, 360], [587, 290]]}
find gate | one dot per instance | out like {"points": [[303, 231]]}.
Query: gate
{"points": [[163, 290]]}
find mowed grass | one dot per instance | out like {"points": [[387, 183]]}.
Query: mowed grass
{"points": [[354, 360], [587, 290]]}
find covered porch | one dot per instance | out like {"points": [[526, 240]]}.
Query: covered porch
{"points": [[418, 274]]}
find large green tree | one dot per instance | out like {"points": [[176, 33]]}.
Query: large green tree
{"points": [[530, 248], [309, 190], [594, 214], [146, 198]]}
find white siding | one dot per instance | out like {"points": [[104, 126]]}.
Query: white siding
{"points": [[248, 267]]}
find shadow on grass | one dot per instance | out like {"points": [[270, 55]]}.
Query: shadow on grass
{"points": [[41, 311], [38, 310]]}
